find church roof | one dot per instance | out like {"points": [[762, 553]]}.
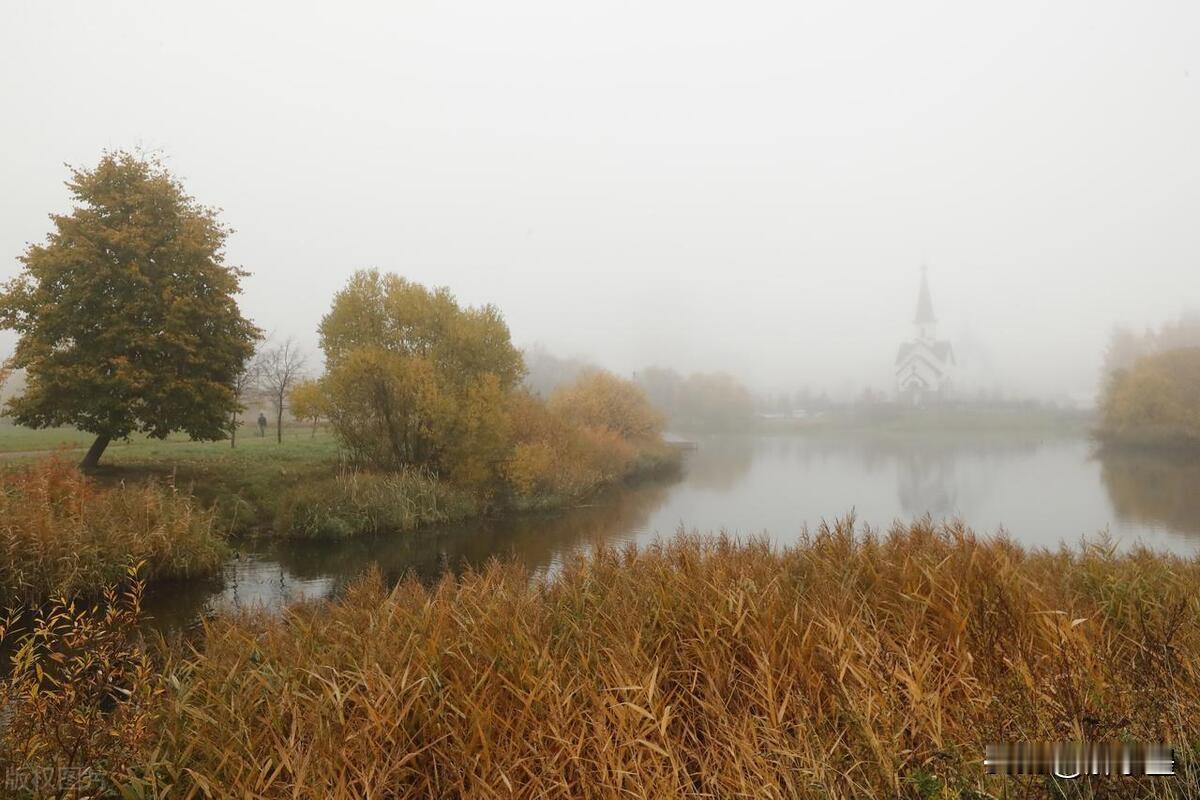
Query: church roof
{"points": [[924, 303], [941, 350]]}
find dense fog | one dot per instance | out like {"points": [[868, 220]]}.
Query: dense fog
{"points": [[702, 186]]}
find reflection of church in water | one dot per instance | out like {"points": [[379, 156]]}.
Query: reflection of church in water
{"points": [[925, 483], [924, 363]]}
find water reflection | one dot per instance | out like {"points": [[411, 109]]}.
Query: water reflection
{"points": [[927, 485], [1041, 490], [1154, 490], [273, 574], [722, 462]]}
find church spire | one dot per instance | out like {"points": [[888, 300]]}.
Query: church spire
{"points": [[924, 303]]}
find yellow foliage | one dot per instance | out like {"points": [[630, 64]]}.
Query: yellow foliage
{"points": [[1158, 398], [307, 401], [604, 401], [416, 380], [573, 445]]}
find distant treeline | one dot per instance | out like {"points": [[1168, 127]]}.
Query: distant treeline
{"points": [[701, 401]]}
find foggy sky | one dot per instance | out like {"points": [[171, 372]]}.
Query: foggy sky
{"points": [[742, 186]]}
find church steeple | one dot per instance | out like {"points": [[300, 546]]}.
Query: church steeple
{"points": [[923, 363], [924, 303]]}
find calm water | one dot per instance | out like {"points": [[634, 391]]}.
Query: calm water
{"points": [[1040, 490]]}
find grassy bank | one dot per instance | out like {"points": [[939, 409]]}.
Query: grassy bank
{"points": [[356, 503], [302, 487], [63, 534], [843, 667]]}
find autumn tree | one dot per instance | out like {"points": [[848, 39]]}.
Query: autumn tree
{"points": [[281, 367], [1156, 400], [415, 379], [591, 432], [601, 400], [307, 402], [126, 314]]}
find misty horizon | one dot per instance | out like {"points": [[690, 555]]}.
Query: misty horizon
{"points": [[674, 185]]}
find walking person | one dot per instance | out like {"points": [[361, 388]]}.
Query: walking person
{"points": [[262, 424]]}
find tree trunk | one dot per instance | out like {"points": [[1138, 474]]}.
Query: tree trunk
{"points": [[279, 423], [95, 451], [233, 426]]}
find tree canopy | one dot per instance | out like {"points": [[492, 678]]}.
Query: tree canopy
{"points": [[602, 401], [1156, 400], [415, 379], [126, 314]]}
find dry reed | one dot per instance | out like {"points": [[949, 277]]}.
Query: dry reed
{"points": [[63, 535], [846, 666]]}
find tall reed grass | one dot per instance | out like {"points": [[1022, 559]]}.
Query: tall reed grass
{"points": [[63, 535], [846, 666], [356, 503]]}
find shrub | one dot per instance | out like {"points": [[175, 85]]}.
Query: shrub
{"points": [[61, 534], [79, 695], [556, 458], [355, 503]]}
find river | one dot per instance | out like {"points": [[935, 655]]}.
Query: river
{"points": [[1041, 490]]}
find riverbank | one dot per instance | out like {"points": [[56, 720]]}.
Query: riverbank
{"points": [[843, 666], [302, 487], [63, 535], [174, 505]]}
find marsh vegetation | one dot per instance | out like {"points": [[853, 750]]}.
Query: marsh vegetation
{"points": [[847, 665]]}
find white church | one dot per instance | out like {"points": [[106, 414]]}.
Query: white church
{"points": [[924, 363]]}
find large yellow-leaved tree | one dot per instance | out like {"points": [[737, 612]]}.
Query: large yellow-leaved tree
{"points": [[126, 314]]}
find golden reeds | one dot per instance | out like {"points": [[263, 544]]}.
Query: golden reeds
{"points": [[61, 534], [845, 666]]}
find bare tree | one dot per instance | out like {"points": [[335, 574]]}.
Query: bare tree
{"points": [[244, 384], [281, 367]]}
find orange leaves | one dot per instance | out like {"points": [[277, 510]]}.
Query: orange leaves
{"points": [[601, 400]]}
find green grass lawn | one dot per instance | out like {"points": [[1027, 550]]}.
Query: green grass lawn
{"points": [[244, 483], [14, 438]]}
